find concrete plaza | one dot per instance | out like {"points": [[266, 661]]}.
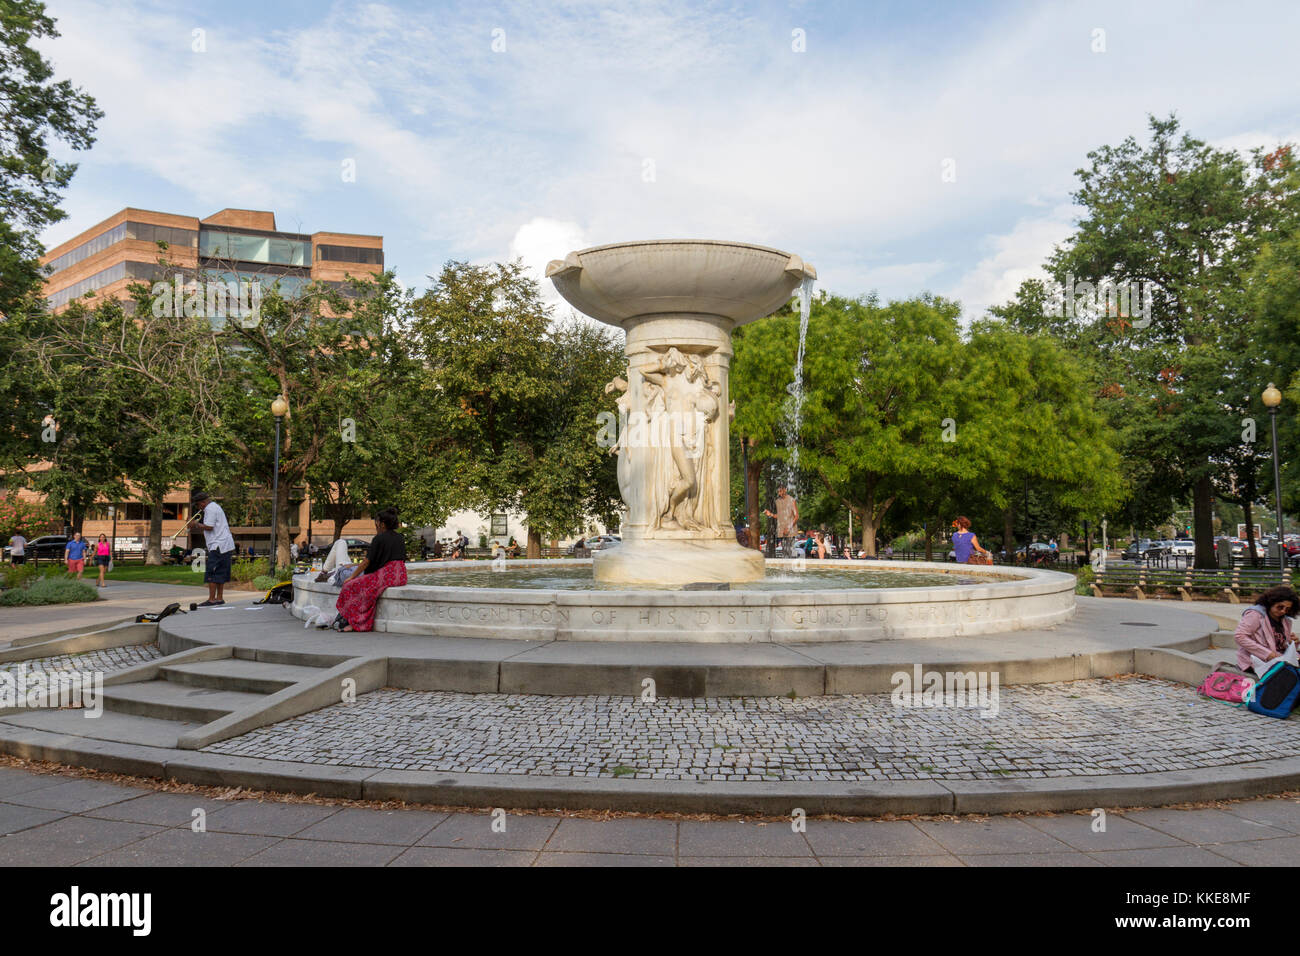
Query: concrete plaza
{"points": [[60, 820]]}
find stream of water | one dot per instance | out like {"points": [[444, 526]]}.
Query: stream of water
{"points": [[794, 419]]}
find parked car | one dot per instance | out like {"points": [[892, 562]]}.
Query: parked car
{"points": [[1144, 550], [46, 547], [602, 542], [357, 548]]}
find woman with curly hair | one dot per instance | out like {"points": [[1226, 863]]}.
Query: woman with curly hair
{"points": [[1265, 627]]}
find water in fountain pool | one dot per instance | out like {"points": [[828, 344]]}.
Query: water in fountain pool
{"points": [[579, 578]]}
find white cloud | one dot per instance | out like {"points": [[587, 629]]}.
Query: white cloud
{"points": [[1015, 256], [833, 154], [537, 242]]}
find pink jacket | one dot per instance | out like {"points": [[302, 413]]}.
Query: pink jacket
{"points": [[1255, 636]]}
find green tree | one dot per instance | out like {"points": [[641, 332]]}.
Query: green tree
{"points": [[507, 404], [878, 389], [34, 107], [1189, 220]]}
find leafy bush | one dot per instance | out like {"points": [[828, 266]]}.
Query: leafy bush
{"points": [[264, 582], [244, 570], [17, 575], [31, 519], [49, 591], [1085, 576]]}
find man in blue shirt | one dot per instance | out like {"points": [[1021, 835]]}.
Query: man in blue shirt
{"points": [[75, 555]]}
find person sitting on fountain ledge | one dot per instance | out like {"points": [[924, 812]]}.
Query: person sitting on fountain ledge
{"points": [[383, 567], [1264, 632]]}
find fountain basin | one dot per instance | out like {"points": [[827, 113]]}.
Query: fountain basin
{"points": [[734, 281], [1001, 601]]}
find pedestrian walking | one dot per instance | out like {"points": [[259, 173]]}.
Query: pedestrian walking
{"points": [[103, 558], [75, 554]]}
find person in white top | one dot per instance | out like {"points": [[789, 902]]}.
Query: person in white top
{"points": [[211, 518], [337, 558], [17, 548]]}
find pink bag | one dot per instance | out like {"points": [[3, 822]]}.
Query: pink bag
{"points": [[1229, 688]]}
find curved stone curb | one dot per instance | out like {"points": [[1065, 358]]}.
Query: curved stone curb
{"points": [[778, 798], [1072, 651], [77, 641]]}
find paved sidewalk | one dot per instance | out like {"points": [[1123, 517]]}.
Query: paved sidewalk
{"points": [[117, 602], [52, 820]]}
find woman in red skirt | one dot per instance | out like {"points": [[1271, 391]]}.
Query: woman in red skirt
{"points": [[383, 567]]}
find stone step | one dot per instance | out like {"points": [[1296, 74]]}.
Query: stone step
{"points": [[167, 701], [236, 674], [109, 725], [1213, 655]]}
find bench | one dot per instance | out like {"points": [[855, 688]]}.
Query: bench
{"points": [[1228, 582]]}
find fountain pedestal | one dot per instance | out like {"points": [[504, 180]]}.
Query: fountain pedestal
{"points": [[678, 302]]}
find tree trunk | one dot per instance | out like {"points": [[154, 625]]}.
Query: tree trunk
{"points": [[929, 540], [1250, 535], [1203, 522], [869, 529], [534, 544], [154, 554], [752, 474], [339, 521], [1009, 534]]}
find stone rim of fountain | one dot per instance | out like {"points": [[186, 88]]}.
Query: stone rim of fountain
{"points": [[1035, 598]]}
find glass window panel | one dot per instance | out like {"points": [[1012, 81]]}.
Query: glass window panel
{"points": [[87, 249], [88, 284]]}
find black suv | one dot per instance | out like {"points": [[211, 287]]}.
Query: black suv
{"points": [[46, 547]]}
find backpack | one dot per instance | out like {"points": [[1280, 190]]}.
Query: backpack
{"points": [[154, 617], [1275, 694], [1227, 687], [282, 593]]}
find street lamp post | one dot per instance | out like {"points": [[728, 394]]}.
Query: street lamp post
{"points": [[112, 548], [1272, 398], [279, 408]]}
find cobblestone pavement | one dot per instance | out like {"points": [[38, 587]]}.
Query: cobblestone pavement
{"points": [[107, 660], [53, 820], [1132, 725]]}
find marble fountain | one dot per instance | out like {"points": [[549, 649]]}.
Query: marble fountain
{"points": [[680, 575]]}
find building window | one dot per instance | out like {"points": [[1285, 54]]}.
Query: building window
{"points": [[123, 270], [136, 511], [175, 238], [86, 249], [240, 247], [350, 254]]}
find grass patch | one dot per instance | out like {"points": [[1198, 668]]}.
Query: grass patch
{"points": [[621, 771], [154, 574], [49, 591]]}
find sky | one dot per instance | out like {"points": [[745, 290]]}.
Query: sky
{"points": [[900, 147]]}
